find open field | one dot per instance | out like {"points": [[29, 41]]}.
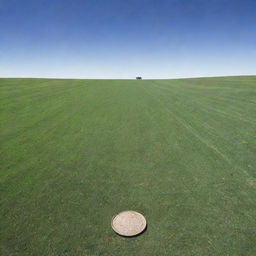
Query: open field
{"points": [[76, 152]]}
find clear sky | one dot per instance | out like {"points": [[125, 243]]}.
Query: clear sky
{"points": [[126, 38]]}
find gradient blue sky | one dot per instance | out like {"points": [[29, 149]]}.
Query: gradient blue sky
{"points": [[126, 38]]}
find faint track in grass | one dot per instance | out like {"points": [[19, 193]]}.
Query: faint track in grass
{"points": [[200, 138]]}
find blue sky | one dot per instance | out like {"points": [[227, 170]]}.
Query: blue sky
{"points": [[126, 38]]}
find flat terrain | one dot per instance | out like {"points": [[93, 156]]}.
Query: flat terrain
{"points": [[76, 152]]}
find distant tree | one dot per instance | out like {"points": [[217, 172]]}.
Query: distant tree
{"points": [[138, 77]]}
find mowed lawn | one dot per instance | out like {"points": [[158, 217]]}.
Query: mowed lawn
{"points": [[76, 152]]}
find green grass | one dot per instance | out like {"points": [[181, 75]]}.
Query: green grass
{"points": [[76, 152]]}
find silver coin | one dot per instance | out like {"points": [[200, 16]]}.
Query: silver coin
{"points": [[129, 223]]}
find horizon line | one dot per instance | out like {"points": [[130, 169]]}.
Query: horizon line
{"points": [[177, 78]]}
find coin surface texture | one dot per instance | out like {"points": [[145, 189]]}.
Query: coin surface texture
{"points": [[129, 223]]}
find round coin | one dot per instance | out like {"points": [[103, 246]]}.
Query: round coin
{"points": [[129, 223]]}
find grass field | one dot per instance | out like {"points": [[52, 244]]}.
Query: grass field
{"points": [[76, 152]]}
